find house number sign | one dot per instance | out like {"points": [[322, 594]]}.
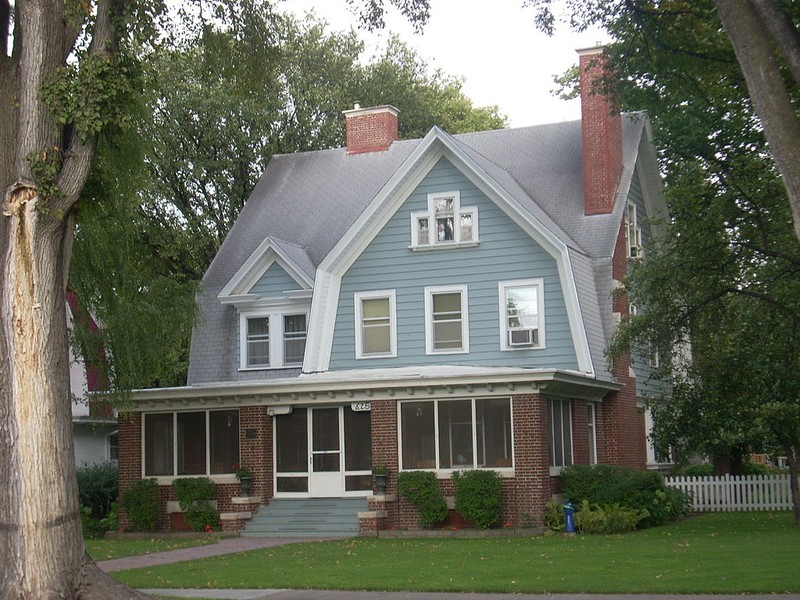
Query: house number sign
{"points": [[361, 406]]}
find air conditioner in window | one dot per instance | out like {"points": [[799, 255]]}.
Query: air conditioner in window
{"points": [[636, 252], [523, 337]]}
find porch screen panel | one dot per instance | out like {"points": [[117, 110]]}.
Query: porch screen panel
{"points": [[455, 434], [419, 435], [493, 431], [291, 451], [224, 439], [191, 443], [291, 432], [357, 450], [158, 444]]}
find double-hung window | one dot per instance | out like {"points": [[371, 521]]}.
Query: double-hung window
{"points": [[521, 314], [191, 443], [633, 232], [257, 344], [375, 324], [559, 420], [446, 321], [445, 224], [273, 340]]}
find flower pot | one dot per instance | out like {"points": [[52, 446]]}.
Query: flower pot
{"points": [[380, 483], [245, 485]]}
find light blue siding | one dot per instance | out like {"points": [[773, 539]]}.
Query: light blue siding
{"points": [[274, 282], [505, 253], [640, 357]]}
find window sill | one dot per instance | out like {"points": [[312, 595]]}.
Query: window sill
{"points": [[217, 479], [444, 246], [504, 472], [277, 368]]}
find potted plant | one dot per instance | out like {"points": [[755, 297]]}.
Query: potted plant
{"points": [[381, 474], [245, 477]]}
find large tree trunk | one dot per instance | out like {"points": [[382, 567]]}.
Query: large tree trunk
{"points": [[41, 546], [755, 51]]}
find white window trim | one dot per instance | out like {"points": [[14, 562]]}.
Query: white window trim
{"points": [[439, 289], [591, 410], [276, 354], [556, 470], [502, 286], [447, 473], [357, 303], [430, 214], [633, 232], [168, 479]]}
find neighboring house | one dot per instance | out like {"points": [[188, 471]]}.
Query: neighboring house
{"points": [[94, 425], [438, 304]]}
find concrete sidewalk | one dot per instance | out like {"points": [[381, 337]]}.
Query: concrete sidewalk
{"points": [[332, 595]]}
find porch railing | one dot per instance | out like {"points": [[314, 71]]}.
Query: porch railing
{"points": [[736, 493]]}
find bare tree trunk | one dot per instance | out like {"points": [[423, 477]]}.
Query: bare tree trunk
{"points": [[39, 512], [41, 544], [755, 52]]}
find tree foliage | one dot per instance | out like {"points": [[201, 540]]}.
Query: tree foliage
{"points": [[725, 281], [217, 103]]}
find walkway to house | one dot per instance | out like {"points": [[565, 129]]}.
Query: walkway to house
{"points": [[233, 545]]}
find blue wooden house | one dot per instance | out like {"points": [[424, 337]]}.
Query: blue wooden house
{"points": [[440, 304]]}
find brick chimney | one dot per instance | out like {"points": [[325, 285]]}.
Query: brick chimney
{"points": [[371, 129], [601, 128]]}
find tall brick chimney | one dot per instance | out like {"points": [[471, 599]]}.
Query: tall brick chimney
{"points": [[371, 129], [601, 128]]}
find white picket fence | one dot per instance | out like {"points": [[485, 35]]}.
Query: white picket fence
{"points": [[736, 493]]}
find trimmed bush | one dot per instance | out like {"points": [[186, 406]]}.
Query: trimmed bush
{"points": [[97, 493], [421, 490], [596, 519], [97, 487], [140, 502], [479, 496], [194, 496], [607, 485]]}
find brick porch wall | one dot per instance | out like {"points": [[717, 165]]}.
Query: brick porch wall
{"points": [[255, 447]]}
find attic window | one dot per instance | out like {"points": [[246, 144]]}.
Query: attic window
{"points": [[445, 224], [633, 231]]}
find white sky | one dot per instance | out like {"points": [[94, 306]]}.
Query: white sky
{"points": [[493, 44]]}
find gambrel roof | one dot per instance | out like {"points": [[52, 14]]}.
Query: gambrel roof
{"points": [[310, 201]]}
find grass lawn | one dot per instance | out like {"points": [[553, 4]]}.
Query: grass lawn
{"points": [[723, 553], [105, 549]]}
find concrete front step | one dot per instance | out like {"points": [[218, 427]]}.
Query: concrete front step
{"points": [[307, 517]]}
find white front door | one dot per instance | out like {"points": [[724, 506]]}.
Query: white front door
{"points": [[326, 465]]}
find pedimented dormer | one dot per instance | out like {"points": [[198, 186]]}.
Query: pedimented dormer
{"points": [[272, 296]]}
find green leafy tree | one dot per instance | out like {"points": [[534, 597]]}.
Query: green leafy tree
{"points": [[67, 70], [724, 281], [218, 102]]}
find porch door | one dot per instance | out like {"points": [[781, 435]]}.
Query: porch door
{"points": [[326, 472]]}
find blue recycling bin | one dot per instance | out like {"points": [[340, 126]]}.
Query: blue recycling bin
{"points": [[569, 519]]}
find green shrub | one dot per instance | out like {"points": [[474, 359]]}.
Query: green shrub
{"points": [[97, 487], [697, 470], [554, 516], [140, 502], [194, 496], [421, 489], [609, 519], [479, 496], [607, 485]]}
